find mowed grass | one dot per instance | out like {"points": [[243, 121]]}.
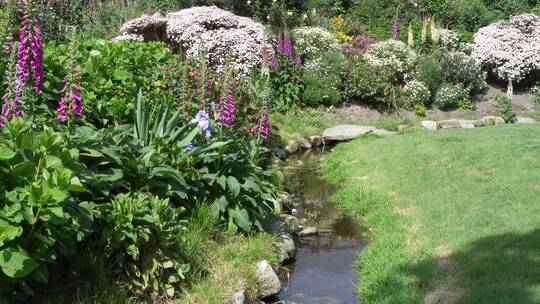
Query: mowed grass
{"points": [[454, 214]]}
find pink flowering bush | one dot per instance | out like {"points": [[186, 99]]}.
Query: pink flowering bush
{"points": [[510, 49], [208, 30]]}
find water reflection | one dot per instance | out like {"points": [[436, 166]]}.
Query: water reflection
{"points": [[324, 271]]}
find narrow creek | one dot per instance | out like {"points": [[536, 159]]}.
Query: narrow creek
{"points": [[324, 270]]}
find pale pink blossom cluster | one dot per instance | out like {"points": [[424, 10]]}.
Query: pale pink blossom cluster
{"points": [[205, 30], [510, 49]]}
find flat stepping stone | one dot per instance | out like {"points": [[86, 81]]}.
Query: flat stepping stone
{"points": [[525, 120], [429, 125], [457, 124], [489, 121], [345, 132]]}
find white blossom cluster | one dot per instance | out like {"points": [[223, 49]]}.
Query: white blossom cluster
{"points": [[208, 30], [312, 42], [416, 93], [394, 56], [510, 49], [449, 39], [448, 96], [139, 26], [218, 33]]}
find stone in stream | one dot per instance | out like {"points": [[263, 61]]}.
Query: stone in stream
{"points": [[285, 248], [345, 132], [268, 281], [525, 120], [292, 148], [308, 231], [315, 140], [241, 297]]}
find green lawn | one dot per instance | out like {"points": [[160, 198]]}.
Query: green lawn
{"points": [[454, 214]]}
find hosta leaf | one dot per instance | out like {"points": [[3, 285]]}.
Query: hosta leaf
{"points": [[234, 185], [241, 218], [6, 153], [15, 263]]}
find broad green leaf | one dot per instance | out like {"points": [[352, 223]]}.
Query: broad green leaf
{"points": [[6, 153], [122, 75], [241, 218], [15, 263], [234, 185]]}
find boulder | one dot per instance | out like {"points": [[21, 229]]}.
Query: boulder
{"points": [[315, 140], [429, 125], [525, 120], [489, 121], [205, 30], [291, 223], [267, 280], [509, 49], [285, 248], [241, 297], [292, 147], [456, 124], [307, 232], [345, 132]]}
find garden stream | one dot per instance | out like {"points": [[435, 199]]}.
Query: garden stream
{"points": [[324, 270]]}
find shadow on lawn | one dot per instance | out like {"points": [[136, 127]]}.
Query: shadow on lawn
{"points": [[497, 269]]}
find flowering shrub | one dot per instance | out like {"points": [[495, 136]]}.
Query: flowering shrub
{"points": [[211, 31], [312, 42], [393, 56], [341, 30], [323, 79], [415, 94], [450, 96], [509, 49]]}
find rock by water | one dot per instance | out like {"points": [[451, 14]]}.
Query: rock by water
{"points": [[267, 280], [345, 132]]}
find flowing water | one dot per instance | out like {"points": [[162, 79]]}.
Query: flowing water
{"points": [[324, 270]]}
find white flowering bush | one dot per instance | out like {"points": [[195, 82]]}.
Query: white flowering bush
{"points": [[415, 93], [393, 56], [450, 96], [449, 39], [208, 30], [312, 42], [323, 79], [510, 49]]}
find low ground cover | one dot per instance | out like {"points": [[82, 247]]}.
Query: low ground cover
{"points": [[452, 214]]}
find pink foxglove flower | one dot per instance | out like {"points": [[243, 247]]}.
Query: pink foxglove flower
{"points": [[395, 28], [30, 51], [71, 103], [285, 47], [228, 109], [11, 103]]}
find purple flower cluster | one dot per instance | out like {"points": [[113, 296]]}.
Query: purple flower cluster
{"points": [[265, 127], [30, 51], [285, 47], [298, 61], [227, 114], [395, 28], [71, 102], [362, 43]]}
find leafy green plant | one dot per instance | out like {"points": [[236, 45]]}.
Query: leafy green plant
{"points": [[139, 238], [40, 221], [323, 80], [112, 74], [506, 110]]}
